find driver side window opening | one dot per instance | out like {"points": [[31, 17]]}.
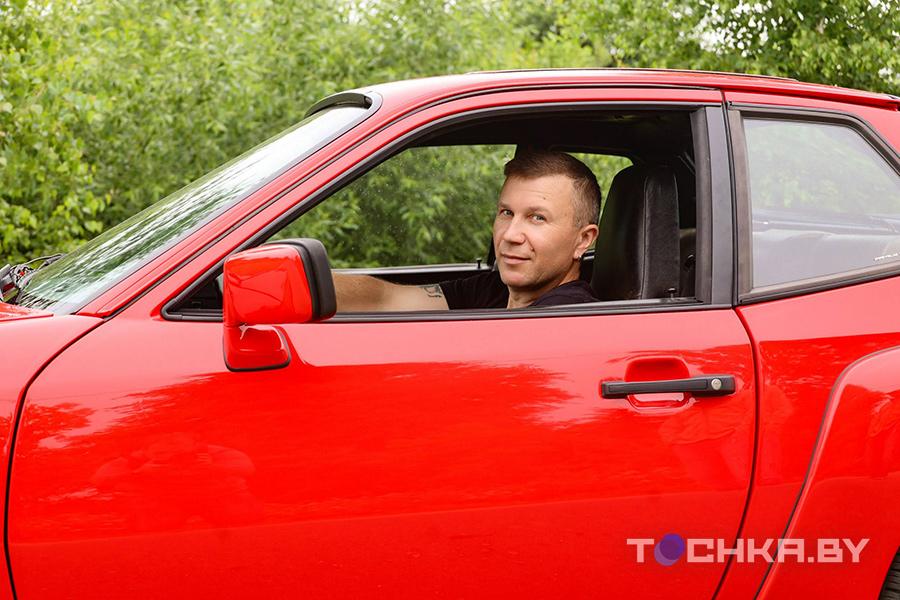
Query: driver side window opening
{"points": [[424, 215], [426, 206]]}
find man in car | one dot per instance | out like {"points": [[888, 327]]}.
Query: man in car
{"points": [[545, 221]]}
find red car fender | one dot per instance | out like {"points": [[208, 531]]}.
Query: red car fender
{"points": [[28, 345], [852, 487]]}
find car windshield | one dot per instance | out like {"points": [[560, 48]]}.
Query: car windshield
{"points": [[71, 282]]}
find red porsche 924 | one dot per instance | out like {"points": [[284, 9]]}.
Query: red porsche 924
{"points": [[185, 414]]}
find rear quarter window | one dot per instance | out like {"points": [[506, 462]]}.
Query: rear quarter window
{"points": [[823, 201]]}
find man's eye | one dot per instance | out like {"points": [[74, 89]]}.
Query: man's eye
{"points": [[538, 217], [505, 212]]}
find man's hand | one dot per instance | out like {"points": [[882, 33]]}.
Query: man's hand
{"points": [[361, 293]]}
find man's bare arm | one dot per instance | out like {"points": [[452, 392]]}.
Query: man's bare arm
{"points": [[361, 293]]}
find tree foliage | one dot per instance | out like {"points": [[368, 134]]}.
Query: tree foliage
{"points": [[852, 43], [107, 106]]}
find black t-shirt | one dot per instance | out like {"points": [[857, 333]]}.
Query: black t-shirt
{"points": [[487, 290]]}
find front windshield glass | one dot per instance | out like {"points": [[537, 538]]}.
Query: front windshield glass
{"points": [[71, 282]]}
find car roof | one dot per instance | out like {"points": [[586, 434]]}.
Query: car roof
{"points": [[430, 89]]}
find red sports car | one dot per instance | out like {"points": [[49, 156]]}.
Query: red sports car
{"points": [[184, 415]]}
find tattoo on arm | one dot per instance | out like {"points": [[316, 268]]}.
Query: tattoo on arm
{"points": [[433, 290]]}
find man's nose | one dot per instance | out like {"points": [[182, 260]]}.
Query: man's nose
{"points": [[513, 233]]}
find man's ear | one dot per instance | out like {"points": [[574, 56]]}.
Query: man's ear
{"points": [[586, 237]]}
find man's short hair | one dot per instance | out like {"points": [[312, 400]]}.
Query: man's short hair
{"points": [[530, 164]]}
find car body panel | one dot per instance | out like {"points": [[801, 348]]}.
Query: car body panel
{"points": [[29, 340], [822, 333], [11, 312], [384, 452], [853, 483], [803, 344]]}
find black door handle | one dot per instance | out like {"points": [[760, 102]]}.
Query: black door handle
{"points": [[708, 385]]}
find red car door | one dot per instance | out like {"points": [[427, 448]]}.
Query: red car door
{"points": [[395, 457]]}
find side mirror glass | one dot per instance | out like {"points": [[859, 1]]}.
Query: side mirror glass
{"points": [[279, 283]]}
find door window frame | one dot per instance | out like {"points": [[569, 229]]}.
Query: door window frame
{"points": [[714, 253]]}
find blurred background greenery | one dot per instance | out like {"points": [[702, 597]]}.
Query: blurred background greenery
{"points": [[107, 106]]}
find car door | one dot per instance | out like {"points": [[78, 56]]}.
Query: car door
{"points": [[446, 455]]}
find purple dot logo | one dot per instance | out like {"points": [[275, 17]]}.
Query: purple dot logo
{"points": [[669, 549]]}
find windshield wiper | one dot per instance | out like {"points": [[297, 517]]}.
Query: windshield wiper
{"points": [[14, 278]]}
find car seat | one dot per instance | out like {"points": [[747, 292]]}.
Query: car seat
{"points": [[637, 253]]}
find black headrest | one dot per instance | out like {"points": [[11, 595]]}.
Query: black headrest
{"points": [[637, 251]]}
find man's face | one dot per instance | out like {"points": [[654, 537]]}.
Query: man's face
{"points": [[535, 237]]}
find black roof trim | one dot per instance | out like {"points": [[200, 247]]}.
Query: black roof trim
{"points": [[359, 99]]}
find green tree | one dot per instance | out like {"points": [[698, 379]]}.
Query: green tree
{"points": [[45, 198], [850, 43], [107, 106]]}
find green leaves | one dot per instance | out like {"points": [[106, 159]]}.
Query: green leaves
{"points": [[851, 43], [107, 106]]}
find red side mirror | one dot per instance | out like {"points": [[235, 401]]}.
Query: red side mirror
{"points": [[287, 282]]}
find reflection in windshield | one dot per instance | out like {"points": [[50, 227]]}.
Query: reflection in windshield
{"points": [[69, 283]]}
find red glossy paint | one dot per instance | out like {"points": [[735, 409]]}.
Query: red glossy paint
{"points": [[265, 286], [445, 458], [11, 312], [26, 345], [262, 286], [803, 345], [254, 347], [431, 458], [853, 485]]}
